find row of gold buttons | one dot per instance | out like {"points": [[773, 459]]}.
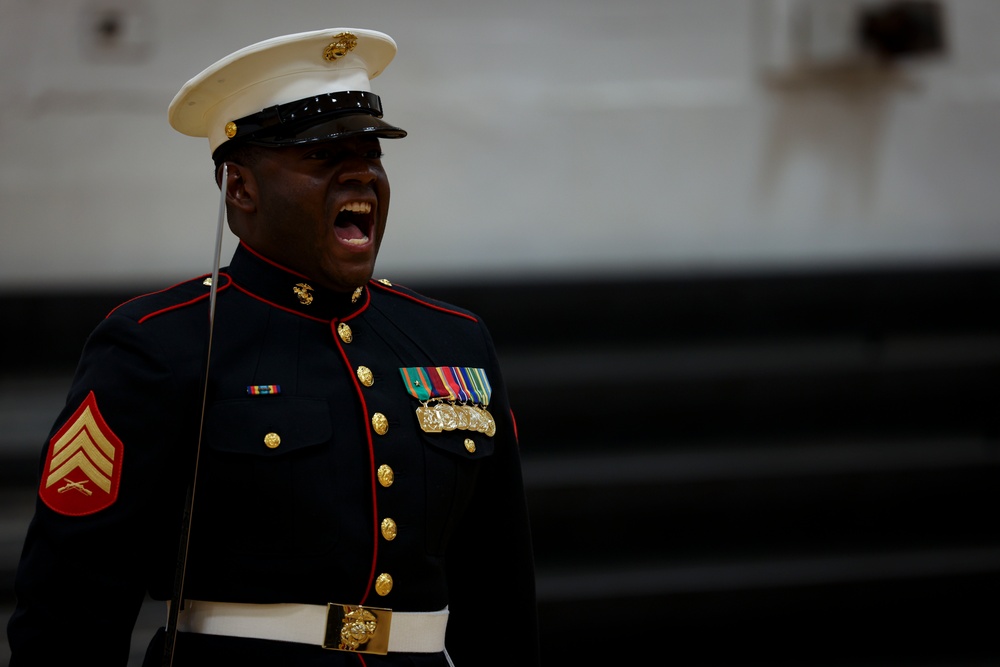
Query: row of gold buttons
{"points": [[385, 474]]}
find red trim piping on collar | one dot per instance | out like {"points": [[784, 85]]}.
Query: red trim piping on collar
{"points": [[290, 310], [272, 262]]}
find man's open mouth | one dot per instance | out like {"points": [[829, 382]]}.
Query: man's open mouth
{"points": [[354, 222]]}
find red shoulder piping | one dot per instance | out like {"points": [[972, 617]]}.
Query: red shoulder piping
{"points": [[422, 302], [176, 306]]}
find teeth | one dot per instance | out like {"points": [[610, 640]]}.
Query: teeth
{"points": [[357, 207]]}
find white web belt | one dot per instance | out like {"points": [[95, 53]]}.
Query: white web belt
{"points": [[340, 627]]}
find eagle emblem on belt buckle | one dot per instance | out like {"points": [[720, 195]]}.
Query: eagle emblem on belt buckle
{"points": [[359, 629]]}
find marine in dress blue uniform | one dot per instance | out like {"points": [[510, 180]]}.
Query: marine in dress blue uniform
{"points": [[359, 497]]}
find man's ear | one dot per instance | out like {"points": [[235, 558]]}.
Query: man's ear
{"points": [[241, 188]]}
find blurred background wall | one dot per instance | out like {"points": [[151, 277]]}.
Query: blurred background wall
{"points": [[770, 226], [568, 136]]}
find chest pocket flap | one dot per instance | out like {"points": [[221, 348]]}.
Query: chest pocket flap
{"points": [[268, 426], [467, 445]]}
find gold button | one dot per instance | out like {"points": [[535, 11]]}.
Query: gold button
{"points": [[388, 529], [385, 475], [344, 332], [272, 440], [383, 584], [380, 423], [470, 445], [365, 375], [231, 129]]}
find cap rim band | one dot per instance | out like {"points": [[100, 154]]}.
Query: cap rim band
{"points": [[300, 112]]}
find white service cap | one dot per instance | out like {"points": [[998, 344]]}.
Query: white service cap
{"points": [[300, 88]]}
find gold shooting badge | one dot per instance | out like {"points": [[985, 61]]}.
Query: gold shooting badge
{"points": [[428, 420], [448, 416], [489, 425], [358, 629], [463, 419], [83, 464]]}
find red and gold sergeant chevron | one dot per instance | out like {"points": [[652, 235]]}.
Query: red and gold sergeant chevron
{"points": [[83, 464]]}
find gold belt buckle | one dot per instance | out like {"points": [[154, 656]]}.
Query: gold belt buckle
{"points": [[351, 627]]}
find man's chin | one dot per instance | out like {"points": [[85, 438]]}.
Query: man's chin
{"points": [[348, 278]]}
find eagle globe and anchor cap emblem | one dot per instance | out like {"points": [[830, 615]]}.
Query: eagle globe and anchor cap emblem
{"points": [[343, 43]]}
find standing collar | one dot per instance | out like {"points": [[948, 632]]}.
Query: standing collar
{"points": [[268, 281]]}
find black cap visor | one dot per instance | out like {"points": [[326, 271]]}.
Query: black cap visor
{"points": [[313, 119], [327, 129]]}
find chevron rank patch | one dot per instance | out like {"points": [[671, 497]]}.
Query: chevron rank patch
{"points": [[83, 465]]}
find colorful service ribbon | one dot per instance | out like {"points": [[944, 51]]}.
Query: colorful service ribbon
{"points": [[263, 389], [447, 383]]}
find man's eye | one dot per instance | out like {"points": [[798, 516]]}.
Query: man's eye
{"points": [[373, 154]]}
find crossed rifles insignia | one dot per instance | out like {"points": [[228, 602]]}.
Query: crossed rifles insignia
{"points": [[83, 464]]}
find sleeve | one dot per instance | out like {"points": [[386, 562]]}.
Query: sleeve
{"points": [[111, 487], [491, 576]]}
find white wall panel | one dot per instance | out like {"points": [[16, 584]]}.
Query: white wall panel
{"points": [[545, 136]]}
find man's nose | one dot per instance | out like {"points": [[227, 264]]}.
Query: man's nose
{"points": [[357, 170]]}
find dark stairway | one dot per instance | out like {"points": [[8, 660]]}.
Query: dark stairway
{"points": [[763, 469], [759, 469]]}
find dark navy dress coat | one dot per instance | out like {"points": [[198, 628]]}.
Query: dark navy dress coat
{"points": [[310, 441]]}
